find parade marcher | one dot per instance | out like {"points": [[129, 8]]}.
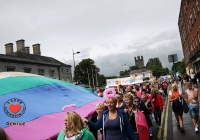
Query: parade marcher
{"points": [[149, 106], [99, 92], [3, 135], [165, 85], [121, 89], [148, 95], [138, 93], [120, 103], [99, 109], [130, 111], [198, 76], [144, 110], [177, 105], [114, 123], [193, 78], [193, 104], [158, 104], [75, 128]]}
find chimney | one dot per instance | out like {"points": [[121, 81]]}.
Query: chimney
{"points": [[27, 50], [20, 45], [36, 49], [9, 48]]}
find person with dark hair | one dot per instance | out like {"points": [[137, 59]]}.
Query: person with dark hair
{"points": [[143, 109], [3, 135]]}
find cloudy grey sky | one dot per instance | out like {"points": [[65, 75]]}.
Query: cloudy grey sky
{"points": [[111, 32]]}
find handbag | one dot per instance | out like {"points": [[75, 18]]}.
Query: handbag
{"points": [[185, 107]]}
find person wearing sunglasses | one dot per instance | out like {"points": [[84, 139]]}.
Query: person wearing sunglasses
{"points": [[143, 109]]}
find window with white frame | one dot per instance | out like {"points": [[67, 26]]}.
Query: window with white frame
{"points": [[41, 72], [51, 73]]}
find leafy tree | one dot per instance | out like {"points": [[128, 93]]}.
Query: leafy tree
{"points": [[85, 67], [154, 61], [125, 73], [180, 67], [133, 68], [155, 65], [101, 80]]}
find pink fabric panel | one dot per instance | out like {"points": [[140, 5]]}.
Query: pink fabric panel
{"points": [[47, 126]]}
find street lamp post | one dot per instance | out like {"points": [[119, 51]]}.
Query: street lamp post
{"points": [[74, 65], [122, 66]]}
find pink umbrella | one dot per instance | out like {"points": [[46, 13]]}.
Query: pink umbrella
{"points": [[142, 126]]}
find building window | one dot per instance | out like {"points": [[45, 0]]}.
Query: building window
{"points": [[41, 72], [197, 5], [61, 69], [67, 70], [51, 73], [27, 70], [194, 12], [10, 69], [198, 35]]}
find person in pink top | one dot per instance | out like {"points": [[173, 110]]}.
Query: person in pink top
{"points": [[193, 104], [138, 93]]}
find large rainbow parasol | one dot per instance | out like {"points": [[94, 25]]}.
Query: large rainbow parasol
{"points": [[41, 99]]}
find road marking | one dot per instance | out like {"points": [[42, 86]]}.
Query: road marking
{"points": [[166, 122], [163, 114]]}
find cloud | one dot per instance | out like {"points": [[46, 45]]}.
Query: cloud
{"points": [[160, 45], [109, 32]]}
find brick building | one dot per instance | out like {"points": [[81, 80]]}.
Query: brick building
{"points": [[22, 61], [189, 28]]}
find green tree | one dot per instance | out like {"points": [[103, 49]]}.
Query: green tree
{"points": [[180, 67], [125, 73], [133, 68], [83, 69], [154, 61], [101, 80], [155, 65]]}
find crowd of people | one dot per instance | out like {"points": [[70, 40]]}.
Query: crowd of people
{"points": [[148, 97], [115, 118]]}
